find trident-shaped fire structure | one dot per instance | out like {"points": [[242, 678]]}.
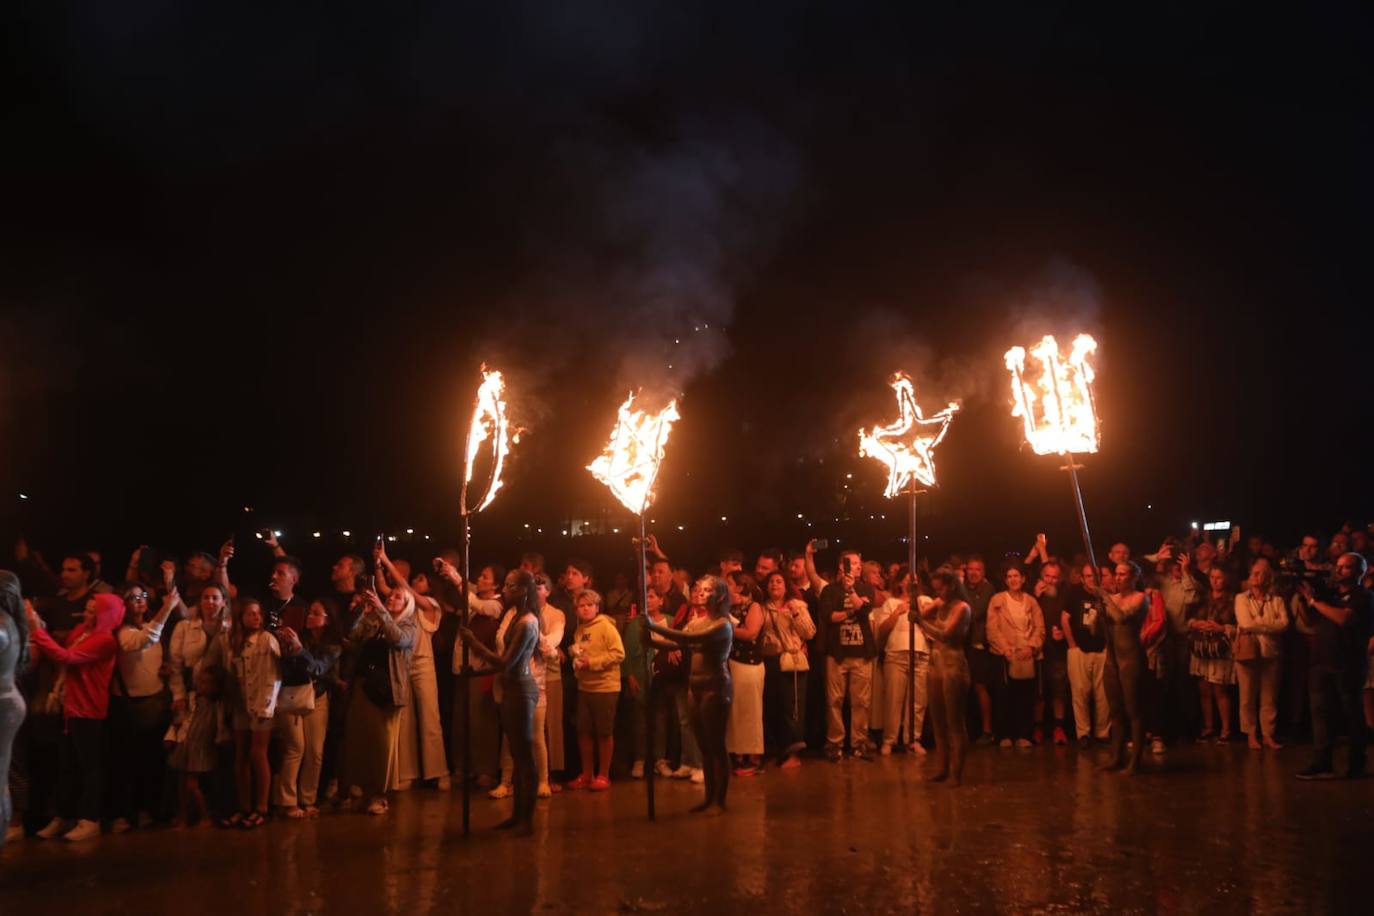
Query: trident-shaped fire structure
{"points": [[1056, 404], [490, 428], [907, 448], [629, 467]]}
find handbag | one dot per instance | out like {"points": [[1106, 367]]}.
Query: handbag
{"points": [[375, 662], [770, 643], [299, 699]]}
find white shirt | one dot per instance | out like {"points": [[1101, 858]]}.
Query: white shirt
{"points": [[901, 630], [140, 661]]}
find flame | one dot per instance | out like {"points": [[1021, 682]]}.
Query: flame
{"points": [[1057, 405], [489, 421], [907, 445], [629, 465]]}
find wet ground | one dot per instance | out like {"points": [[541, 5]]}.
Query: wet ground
{"points": [[1223, 829]]}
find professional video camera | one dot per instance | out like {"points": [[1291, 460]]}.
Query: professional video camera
{"points": [[1293, 572]]}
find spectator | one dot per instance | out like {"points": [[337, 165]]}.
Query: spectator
{"points": [[1210, 636], [252, 655], [139, 707], [310, 663], [1261, 620], [769, 562], [484, 617], [987, 669], [787, 615], [900, 640], [421, 753], [846, 606], [597, 653], [1342, 623], [89, 657], [1016, 634], [67, 609], [945, 621], [380, 687], [552, 624], [1054, 669], [744, 729], [1182, 594], [634, 686], [284, 607], [1126, 607], [1087, 658], [14, 656]]}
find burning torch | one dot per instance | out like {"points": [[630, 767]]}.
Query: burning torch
{"points": [[907, 448], [1058, 410], [629, 467], [491, 428]]}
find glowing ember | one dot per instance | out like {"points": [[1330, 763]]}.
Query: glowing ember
{"points": [[1057, 403], [489, 422], [907, 446], [629, 465]]}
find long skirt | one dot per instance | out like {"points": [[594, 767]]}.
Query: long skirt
{"points": [[370, 745], [421, 745], [744, 729]]}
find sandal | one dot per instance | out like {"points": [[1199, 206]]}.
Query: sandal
{"points": [[232, 820], [252, 820]]}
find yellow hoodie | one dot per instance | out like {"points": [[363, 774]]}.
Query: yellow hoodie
{"points": [[600, 642]]}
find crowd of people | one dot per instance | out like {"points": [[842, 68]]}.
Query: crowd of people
{"points": [[180, 698]]}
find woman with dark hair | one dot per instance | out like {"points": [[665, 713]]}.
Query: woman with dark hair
{"points": [[1016, 634], [709, 686], [1210, 634], [14, 658], [139, 706], [310, 668], [744, 731], [519, 694], [785, 676], [1125, 606], [380, 683], [945, 623], [89, 657]]}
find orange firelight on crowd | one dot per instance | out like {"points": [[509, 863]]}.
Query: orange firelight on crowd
{"points": [[630, 462], [489, 423], [1056, 403], [907, 445]]}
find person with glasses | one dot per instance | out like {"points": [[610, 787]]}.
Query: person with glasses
{"points": [[139, 706], [1341, 621]]}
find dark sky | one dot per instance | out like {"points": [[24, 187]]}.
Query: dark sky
{"points": [[255, 258]]}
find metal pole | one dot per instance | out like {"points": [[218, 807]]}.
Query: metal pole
{"points": [[1072, 468], [648, 688], [911, 625], [465, 679]]}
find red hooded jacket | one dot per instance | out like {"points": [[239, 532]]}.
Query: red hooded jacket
{"points": [[90, 659]]}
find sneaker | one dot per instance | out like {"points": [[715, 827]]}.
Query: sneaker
{"points": [[862, 752], [580, 782], [637, 771], [1060, 739], [55, 828], [1024, 743], [599, 784], [1004, 743], [544, 791], [1316, 772], [121, 825], [84, 830], [698, 776], [886, 750], [501, 791], [682, 772], [1157, 747], [665, 769]]}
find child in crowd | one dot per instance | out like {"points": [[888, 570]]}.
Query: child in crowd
{"points": [[194, 752], [597, 652]]}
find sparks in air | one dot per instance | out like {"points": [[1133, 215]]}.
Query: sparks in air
{"points": [[1056, 403], [907, 445], [630, 462], [489, 423]]}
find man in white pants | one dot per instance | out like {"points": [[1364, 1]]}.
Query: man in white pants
{"points": [[1082, 626]]}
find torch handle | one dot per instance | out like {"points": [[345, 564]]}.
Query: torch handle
{"points": [[1082, 513]]}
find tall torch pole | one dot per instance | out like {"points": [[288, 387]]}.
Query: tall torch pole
{"points": [[465, 680], [911, 624], [649, 761], [1072, 468]]}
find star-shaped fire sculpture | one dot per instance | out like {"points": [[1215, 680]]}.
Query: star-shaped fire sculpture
{"points": [[907, 446]]}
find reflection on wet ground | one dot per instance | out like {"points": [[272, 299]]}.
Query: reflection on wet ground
{"points": [[1223, 828]]}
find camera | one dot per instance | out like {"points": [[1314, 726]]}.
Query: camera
{"points": [[1293, 572]]}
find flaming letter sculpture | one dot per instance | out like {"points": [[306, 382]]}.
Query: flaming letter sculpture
{"points": [[907, 447], [1057, 408], [629, 467], [489, 424]]}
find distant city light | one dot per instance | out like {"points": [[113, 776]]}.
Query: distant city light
{"points": [[314, 534], [348, 534]]}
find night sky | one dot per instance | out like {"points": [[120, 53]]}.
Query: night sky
{"points": [[255, 258]]}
